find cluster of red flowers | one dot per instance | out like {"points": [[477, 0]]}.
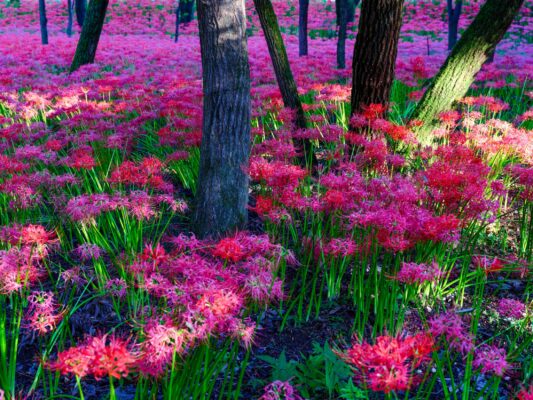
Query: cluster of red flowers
{"points": [[42, 314], [207, 287], [99, 356], [21, 264], [147, 173], [140, 204], [419, 273], [388, 364]]}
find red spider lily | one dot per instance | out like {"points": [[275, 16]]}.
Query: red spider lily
{"points": [[387, 365]]}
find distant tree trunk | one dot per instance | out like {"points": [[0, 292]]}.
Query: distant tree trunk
{"points": [[70, 18], [453, 21], [222, 193], [280, 61], [186, 10], [177, 31], [352, 5], [466, 59], [90, 34], [375, 51], [81, 8], [342, 8], [303, 15], [43, 22]]}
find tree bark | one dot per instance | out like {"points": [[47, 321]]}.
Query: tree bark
{"points": [[70, 17], [186, 10], [352, 5], [280, 61], [81, 8], [303, 15], [453, 21], [463, 63], [342, 8], [90, 34], [177, 31], [375, 51], [43, 22], [222, 192]]}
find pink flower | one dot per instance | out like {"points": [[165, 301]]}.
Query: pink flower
{"points": [[451, 328], [279, 390], [491, 359], [511, 308], [419, 273]]}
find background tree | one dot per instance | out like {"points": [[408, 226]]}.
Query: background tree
{"points": [[90, 34], [280, 61], [43, 22], [177, 29], [342, 18], [352, 5], [186, 10], [303, 15], [70, 17], [81, 8], [466, 59], [454, 12], [375, 51], [222, 192]]}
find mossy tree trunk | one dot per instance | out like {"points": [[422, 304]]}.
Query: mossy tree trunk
{"points": [[463, 63], [453, 21], [81, 8], [342, 10], [222, 193], [303, 16], [43, 22], [90, 34], [375, 51], [280, 61]]}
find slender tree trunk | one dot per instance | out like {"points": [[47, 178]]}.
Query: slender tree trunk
{"points": [[43, 22], [352, 5], [186, 10], [70, 18], [465, 60], [303, 15], [222, 193], [342, 8], [90, 34], [280, 61], [453, 21], [375, 52], [177, 31], [81, 8]]}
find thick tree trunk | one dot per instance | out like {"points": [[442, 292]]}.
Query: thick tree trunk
{"points": [[280, 61], [186, 10], [90, 34], [375, 52], [70, 18], [453, 21], [177, 31], [222, 192], [466, 59], [303, 15], [342, 8], [81, 8], [43, 22]]}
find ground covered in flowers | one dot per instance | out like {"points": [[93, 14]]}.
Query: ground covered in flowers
{"points": [[384, 269]]}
